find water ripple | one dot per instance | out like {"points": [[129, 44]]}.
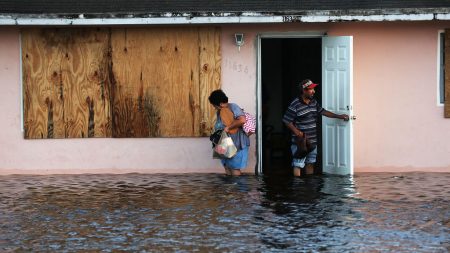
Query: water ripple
{"points": [[214, 213]]}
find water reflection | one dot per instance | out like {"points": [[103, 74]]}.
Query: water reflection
{"points": [[215, 213], [307, 210]]}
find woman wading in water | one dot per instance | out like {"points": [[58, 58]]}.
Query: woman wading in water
{"points": [[231, 118]]}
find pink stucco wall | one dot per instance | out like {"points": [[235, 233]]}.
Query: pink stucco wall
{"points": [[400, 127]]}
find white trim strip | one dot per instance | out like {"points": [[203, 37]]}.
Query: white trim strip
{"points": [[445, 16], [287, 35], [393, 17], [259, 136], [22, 127], [245, 19], [438, 95]]}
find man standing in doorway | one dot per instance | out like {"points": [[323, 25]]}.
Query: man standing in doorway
{"points": [[301, 118]]}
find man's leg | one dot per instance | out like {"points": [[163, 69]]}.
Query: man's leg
{"points": [[309, 168], [310, 162], [297, 171], [297, 164]]}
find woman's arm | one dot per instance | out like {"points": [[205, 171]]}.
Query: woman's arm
{"points": [[240, 121]]}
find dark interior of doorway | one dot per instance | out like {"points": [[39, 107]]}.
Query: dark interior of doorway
{"points": [[285, 62]]}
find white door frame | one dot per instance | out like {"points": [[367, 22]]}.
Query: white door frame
{"points": [[276, 35]]}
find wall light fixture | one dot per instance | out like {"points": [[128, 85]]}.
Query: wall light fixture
{"points": [[239, 37]]}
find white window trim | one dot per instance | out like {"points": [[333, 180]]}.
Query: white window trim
{"points": [[438, 72], [22, 127]]}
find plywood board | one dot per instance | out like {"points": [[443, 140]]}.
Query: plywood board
{"points": [[120, 82], [210, 73], [157, 81], [42, 86], [66, 92], [87, 103]]}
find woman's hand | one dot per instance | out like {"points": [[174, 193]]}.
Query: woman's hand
{"points": [[240, 121]]}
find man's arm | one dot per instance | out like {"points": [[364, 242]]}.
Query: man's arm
{"points": [[294, 130], [333, 115]]}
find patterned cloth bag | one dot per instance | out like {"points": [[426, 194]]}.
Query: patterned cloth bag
{"points": [[250, 124]]}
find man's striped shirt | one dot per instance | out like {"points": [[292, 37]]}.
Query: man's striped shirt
{"points": [[304, 116]]}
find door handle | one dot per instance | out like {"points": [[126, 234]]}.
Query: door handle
{"points": [[353, 117]]}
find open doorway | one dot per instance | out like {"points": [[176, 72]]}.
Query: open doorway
{"points": [[285, 62]]}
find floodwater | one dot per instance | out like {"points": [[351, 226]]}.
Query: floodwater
{"points": [[373, 212]]}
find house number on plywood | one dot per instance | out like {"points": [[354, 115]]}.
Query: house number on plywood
{"points": [[136, 82]]}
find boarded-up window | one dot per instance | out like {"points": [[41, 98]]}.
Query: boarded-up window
{"points": [[140, 82]]}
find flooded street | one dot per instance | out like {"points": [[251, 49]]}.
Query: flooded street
{"points": [[369, 212]]}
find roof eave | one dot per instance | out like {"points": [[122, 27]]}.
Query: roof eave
{"points": [[411, 14]]}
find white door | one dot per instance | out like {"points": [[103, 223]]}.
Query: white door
{"points": [[337, 82]]}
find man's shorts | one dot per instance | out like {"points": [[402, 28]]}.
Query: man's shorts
{"points": [[309, 158]]}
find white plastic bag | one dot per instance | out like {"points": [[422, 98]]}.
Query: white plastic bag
{"points": [[225, 147]]}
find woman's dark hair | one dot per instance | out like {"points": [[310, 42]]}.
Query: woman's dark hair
{"points": [[217, 97]]}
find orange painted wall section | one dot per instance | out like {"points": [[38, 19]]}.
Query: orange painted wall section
{"points": [[399, 126]]}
